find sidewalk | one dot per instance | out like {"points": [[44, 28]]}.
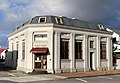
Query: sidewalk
{"points": [[16, 76], [31, 78], [87, 74]]}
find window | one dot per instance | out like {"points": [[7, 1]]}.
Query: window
{"points": [[42, 20], [39, 37], [23, 50], [91, 44], [59, 20], [64, 49], [12, 47], [101, 27], [103, 50], [78, 50], [17, 46], [114, 40]]}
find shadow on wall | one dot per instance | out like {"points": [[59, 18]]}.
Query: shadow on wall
{"points": [[11, 59]]}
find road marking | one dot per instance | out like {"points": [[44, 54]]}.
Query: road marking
{"points": [[105, 77], [81, 80]]}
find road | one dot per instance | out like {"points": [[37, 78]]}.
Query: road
{"points": [[13, 77], [97, 79]]}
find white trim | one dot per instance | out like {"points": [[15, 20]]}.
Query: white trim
{"points": [[40, 18]]}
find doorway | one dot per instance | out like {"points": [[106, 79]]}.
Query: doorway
{"points": [[40, 61], [91, 60]]}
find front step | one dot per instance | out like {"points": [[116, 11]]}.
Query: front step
{"points": [[38, 72]]}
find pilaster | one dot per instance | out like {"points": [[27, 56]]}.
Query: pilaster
{"points": [[109, 52], [57, 52], [98, 52], [72, 52], [85, 52]]}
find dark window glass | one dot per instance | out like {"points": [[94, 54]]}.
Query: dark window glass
{"points": [[59, 20], [42, 20], [64, 49], [103, 50], [23, 50], [91, 44], [78, 50]]}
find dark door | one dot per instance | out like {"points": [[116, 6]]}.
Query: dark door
{"points": [[40, 61], [91, 60]]}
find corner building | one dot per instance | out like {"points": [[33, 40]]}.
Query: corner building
{"points": [[60, 44]]}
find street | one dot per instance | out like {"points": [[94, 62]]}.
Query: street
{"points": [[13, 76], [97, 79]]}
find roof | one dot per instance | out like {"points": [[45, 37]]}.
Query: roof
{"points": [[66, 22], [116, 31], [1, 50]]}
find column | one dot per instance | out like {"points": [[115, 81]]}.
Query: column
{"points": [[98, 52], [57, 52], [85, 52], [29, 57], [72, 52], [19, 61], [109, 52], [50, 56]]}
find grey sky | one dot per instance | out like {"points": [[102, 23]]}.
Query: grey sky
{"points": [[15, 12]]}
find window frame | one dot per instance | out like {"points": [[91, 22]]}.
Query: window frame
{"points": [[59, 20], [92, 44], [23, 49], [103, 50], [41, 36], [39, 20], [79, 51], [64, 53]]}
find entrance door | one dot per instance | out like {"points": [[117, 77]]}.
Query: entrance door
{"points": [[91, 60], [40, 61]]}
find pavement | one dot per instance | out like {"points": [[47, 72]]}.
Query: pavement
{"points": [[89, 74], [19, 76], [31, 78]]}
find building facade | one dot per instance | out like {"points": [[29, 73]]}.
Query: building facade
{"points": [[61, 44], [116, 47]]}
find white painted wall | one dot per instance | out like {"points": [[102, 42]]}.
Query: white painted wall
{"points": [[27, 33]]}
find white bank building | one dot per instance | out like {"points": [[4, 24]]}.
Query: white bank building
{"points": [[60, 44]]}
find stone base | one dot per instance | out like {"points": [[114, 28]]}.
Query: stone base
{"points": [[80, 70], [65, 70], [57, 71], [50, 71], [26, 70], [86, 69], [73, 70]]}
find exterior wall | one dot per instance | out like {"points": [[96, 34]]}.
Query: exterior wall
{"points": [[54, 63], [73, 65], [11, 61], [118, 64], [27, 64], [8, 59], [79, 65]]}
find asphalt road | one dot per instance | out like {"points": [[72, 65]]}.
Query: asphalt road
{"points": [[97, 79], [6, 81]]}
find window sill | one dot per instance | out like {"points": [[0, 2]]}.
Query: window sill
{"points": [[79, 59], [65, 60], [93, 48], [104, 59]]}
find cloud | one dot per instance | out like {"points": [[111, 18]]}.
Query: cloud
{"points": [[15, 12]]}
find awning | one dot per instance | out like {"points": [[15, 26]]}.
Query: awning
{"points": [[39, 50]]}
